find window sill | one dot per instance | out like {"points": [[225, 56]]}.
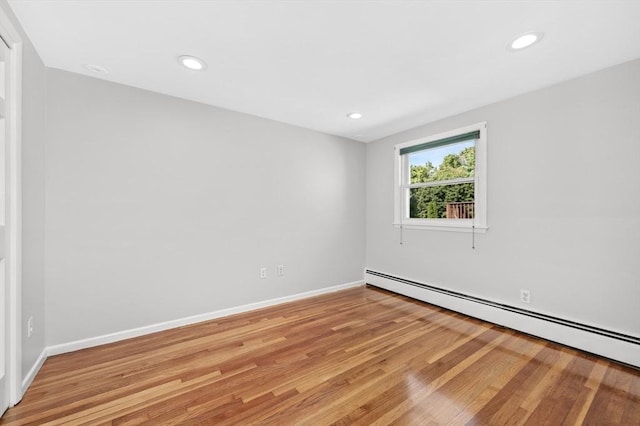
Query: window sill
{"points": [[448, 227]]}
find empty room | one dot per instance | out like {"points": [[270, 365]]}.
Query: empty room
{"points": [[319, 212]]}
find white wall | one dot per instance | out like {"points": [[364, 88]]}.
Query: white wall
{"points": [[33, 193], [159, 208], [563, 205]]}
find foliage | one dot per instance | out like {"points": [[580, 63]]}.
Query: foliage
{"points": [[430, 202]]}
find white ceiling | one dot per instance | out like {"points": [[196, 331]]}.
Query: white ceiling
{"points": [[310, 62]]}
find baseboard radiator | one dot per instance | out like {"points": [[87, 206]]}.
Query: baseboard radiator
{"points": [[612, 344]]}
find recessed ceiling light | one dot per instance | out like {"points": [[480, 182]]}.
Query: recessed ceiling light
{"points": [[354, 115], [96, 68], [525, 40], [192, 63]]}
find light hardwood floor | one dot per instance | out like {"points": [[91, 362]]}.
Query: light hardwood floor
{"points": [[359, 356]]}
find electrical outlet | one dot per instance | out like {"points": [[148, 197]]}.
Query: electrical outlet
{"points": [[525, 296], [30, 327], [280, 270], [263, 273]]}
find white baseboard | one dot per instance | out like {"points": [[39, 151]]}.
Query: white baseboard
{"points": [[581, 336], [141, 331], [28, 379]]}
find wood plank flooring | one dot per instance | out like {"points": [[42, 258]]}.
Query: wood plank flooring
{"points": [[360, 356]]}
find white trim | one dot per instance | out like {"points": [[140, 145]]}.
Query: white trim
{"points": [[609, 347], [401, 206], [141, 331], [440, 183], [460, 225], [14, 214], [33, 371]]}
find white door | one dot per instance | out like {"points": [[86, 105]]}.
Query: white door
{"points": [[4, 299]]}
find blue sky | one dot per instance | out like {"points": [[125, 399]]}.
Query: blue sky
{"points": [[436, 155]]}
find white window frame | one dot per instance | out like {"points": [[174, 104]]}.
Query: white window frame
{"points": [[401, 188]]}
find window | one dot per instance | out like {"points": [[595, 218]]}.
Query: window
{"points": [[441, 181]]}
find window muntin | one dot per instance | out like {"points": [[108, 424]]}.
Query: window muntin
{"points": [[441, 180]]}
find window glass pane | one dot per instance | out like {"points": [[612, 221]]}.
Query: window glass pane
{"points": [[456, 160], [442, 202]]}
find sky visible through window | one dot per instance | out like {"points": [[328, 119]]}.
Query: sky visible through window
{"points": [[436, 155]]}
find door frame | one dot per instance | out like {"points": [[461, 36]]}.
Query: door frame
{"points": [[13, 201]]}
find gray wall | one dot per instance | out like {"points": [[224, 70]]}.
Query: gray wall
{"points": [[563, 204], [159, 208], [33, 193]]}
